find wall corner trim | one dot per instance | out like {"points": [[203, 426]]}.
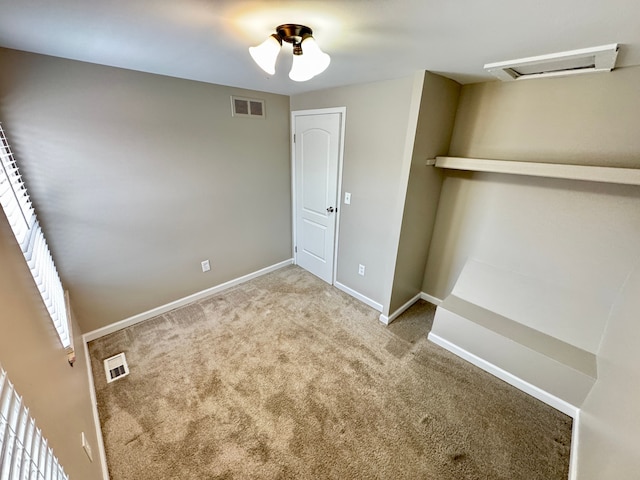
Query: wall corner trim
{"points": [[349, 291], [431, 299], [388, 319], [154, 312], [420, 296]]}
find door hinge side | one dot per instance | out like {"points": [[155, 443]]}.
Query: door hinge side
{"points": [[294, 138], [295, 249]]}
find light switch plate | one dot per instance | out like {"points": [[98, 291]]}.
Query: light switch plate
{"points": [[347, 198]]}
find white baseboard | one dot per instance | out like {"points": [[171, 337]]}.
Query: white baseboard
{"points": [[511, 379], [431, 299], [573, 456], [96, 418], [154, 312], [420, 296], [349, 291], [388, 319]]}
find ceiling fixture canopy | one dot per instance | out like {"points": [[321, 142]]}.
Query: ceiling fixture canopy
{"points": [[308, 59]]}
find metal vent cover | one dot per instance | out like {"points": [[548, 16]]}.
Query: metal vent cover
{"points": [[247, 107], [586, 60], [116, 367]]}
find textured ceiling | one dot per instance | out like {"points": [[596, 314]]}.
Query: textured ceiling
{"points": [[368, 40]]}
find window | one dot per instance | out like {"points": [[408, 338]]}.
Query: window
{"points": [[24, 452], [22, 218]]}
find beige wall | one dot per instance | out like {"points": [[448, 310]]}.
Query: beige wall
{"points": [[569, 242], [433, 133], [610, 424], [56, 394], [585, 119], [136, 178], [377, 120], [577, 237]]}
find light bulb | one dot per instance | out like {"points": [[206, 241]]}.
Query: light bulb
{"points": [[266, 54], [301, 69], [312, 62]]}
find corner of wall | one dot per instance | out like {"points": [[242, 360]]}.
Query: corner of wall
{"points": [[407, 156], [438, 99]]}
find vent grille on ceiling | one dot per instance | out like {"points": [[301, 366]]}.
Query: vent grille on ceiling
{"points": [[116, 367], [586, 60], [247, 107]]}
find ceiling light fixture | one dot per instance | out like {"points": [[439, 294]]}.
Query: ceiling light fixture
{"points": [[308, 59]]}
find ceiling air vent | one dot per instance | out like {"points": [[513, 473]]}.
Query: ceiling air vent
{"points": [[586, 60], [247, 107], [116, 367]]}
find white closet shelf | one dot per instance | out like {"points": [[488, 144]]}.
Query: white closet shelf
{"points": [[625, 176]]}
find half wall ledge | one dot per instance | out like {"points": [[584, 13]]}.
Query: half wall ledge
{"points": [[486, 339]]}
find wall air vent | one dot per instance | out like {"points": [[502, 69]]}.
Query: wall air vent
{"points": [[247, 107], [116, 367], [586, 60]]}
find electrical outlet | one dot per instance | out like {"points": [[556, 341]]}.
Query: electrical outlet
{"points": [[87, 447], [206, 266], [361, 270], [347, 198]]}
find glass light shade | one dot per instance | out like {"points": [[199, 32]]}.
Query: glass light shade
{"points": [[266, 54], [312, 61]]}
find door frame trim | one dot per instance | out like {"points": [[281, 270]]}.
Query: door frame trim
{"points": [[319, 111]]}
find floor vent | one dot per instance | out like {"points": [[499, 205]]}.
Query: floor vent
{"points": [[116, 367], [247, 107]]}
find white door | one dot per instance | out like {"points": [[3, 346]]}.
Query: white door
{"points": [[317, 153]]}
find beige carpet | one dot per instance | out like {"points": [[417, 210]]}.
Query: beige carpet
{"points": [[287, 377]]}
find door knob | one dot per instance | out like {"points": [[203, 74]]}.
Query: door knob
{"points": [[331, 209]]}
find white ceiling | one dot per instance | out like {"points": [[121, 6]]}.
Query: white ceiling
{"points": [[368, 40]]}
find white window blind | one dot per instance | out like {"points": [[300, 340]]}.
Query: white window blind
{"points": [[22, 218], [24, 453]]}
